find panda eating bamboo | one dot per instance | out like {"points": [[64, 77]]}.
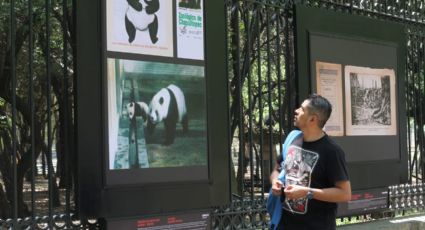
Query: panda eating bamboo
{"points": [[168, 105]]}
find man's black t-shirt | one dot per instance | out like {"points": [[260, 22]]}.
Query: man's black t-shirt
{"points": [[317, 164]]}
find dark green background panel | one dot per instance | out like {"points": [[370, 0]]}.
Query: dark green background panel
{"points": [[352, 51]]}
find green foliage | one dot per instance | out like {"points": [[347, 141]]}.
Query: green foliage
{"points": [[31, 75], [256, 63], [3, 117]]}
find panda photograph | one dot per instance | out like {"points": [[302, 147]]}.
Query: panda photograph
{"points": [[156, 115], [140, 26]]}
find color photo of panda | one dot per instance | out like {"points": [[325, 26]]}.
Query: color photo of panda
{"points": [[169, 106], [160, 105]]}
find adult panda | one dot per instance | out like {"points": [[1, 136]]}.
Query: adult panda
{"points": [[168, 105], [136, 109], [140, 15]]}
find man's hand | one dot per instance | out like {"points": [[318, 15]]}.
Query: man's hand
{"points": [[340, 193], [277, 187], [294, 192]]}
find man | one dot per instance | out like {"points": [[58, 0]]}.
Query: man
{"points": [[315, 172]]}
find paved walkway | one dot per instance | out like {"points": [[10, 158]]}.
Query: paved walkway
{"points": [[416, 222]]}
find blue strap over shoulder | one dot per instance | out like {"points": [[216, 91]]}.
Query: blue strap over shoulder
{"points": [[274, 205]]}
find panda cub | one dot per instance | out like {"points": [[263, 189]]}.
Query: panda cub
{"points": [[140, 15], [135, 109], [168, 105]]}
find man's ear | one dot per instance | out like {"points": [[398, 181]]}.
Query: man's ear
{"points": [[313, 118]]}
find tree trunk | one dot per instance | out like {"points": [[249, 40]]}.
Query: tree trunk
{"points": [[25, 162], [4, 204], [55, 190], [65, 134]]}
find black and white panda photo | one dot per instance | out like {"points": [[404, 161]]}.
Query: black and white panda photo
{"points": [[140, 27], [140, 16], [168, 105]]}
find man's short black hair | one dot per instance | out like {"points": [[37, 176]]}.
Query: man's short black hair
{"points": [[320, 107]]}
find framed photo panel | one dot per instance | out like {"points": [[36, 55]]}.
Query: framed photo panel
{"points": [[157, 115], [140, 28], [329, 85], [370, 101]]}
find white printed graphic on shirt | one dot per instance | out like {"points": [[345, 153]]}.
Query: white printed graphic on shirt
{"points": [[299, 164]]}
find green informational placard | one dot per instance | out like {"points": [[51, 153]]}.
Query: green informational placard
{"points": [[359, 64], [150, 139]]}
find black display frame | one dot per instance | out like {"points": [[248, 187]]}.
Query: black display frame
{"points": [[365, 174], [120, 177], [97, 198]]}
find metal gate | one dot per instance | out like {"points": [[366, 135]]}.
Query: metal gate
{"points": [[37, 106]]}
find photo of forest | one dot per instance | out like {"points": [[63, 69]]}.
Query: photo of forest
{"points": [[370, 100]]}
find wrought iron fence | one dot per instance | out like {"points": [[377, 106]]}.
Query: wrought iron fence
{"points": [[37, 79], [37, 144]]}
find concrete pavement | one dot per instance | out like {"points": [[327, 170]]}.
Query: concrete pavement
{"points": [[414, 222]]}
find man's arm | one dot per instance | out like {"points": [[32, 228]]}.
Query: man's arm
{"points": [[340, 193], [276, 183]]}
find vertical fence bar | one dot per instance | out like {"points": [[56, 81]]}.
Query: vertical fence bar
{"points": [[404, 9], [414, 105], [279, 77], [66, 111], [422, 12], [415, 11], [260, 95], [408, 105], [417, 82], [32, 109], [269, 88], [12, 37], [240, 101], [419, 107], [247, 63], [414, 108], [226, 29], [410, 101], [415, 124], [73, 29], [421, 71], [49, 113], [290, 87]]}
